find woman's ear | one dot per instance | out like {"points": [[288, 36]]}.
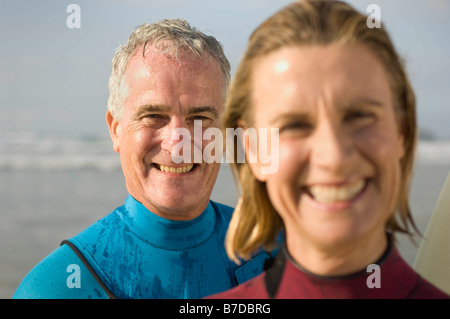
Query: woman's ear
{"points": [[114, 130]]}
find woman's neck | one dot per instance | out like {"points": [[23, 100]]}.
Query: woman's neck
{"points": [[336, 260]]}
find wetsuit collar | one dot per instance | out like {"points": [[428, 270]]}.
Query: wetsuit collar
{"points": [[379, 262], [164, 233]]}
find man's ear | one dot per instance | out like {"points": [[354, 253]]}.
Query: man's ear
{"points": [[114, 130], [251, 152]]}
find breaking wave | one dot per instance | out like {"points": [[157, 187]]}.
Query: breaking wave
{"points": [[43, 151], [32, 150]]}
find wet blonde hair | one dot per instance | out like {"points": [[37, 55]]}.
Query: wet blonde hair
{"points": [[255, 222]]}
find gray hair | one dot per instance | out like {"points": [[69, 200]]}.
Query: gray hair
{"points": [[168, 36]]}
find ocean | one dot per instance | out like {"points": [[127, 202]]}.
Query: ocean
{"points": [[54, 186]]}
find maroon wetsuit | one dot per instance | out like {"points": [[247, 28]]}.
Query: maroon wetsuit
{"points": [[284, 279]]}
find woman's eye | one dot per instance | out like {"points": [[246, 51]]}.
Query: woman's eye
{"points": [[296, 126], [359, 115]]}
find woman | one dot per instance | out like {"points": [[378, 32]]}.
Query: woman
{"points": [[345, 110]]}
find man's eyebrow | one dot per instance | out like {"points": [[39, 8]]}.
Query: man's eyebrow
{"points": [[158, 108], [145, 109], [204, 109]]}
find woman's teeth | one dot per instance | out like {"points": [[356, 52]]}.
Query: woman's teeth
{"points": [[179, 170], [333, 194]]}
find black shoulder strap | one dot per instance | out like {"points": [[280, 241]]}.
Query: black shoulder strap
{"points": [[274, 273], [91, 270]]}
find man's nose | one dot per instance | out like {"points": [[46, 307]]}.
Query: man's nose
{"points": [[173, 133]]}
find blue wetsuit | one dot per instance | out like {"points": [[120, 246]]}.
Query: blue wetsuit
{"points": [[133, 253]]}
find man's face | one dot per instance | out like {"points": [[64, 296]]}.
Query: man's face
{"points": [[164, 96]]}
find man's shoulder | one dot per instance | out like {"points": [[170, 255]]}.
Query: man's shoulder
{"points": [[110, 222], [60, 275]]}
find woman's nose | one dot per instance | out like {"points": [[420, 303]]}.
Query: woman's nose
{"points": [[332, 147]]}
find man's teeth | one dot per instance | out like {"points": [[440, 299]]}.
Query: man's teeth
{"points": [[169, 169], [332, 194]]}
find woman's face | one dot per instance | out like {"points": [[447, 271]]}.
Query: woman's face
{"points": [[339, 142]]}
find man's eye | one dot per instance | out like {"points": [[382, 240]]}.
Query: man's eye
{"points": [[199, 120], [200, 117], [154, 116], [154, 120]]}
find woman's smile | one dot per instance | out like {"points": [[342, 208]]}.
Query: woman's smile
{"points": [[336, 194]]}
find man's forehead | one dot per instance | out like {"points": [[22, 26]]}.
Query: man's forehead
{"points": [[169, 52], [140, 65], [152, 78]]}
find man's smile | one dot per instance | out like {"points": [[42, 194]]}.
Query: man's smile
{"points": [[175, 169]]}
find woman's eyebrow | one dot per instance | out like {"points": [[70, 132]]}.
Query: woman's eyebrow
{"points": [[307, 116], [290, 116], [367, 101]]}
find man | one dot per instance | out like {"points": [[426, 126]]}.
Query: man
{"points": [[167, 240]]}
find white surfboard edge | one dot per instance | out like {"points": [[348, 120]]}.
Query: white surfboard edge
{"points": [[433, 256]]}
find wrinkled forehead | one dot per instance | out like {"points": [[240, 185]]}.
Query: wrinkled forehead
{"points": [[149, 61]]}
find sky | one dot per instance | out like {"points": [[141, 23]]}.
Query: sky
{"points": [[54, 78]]}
